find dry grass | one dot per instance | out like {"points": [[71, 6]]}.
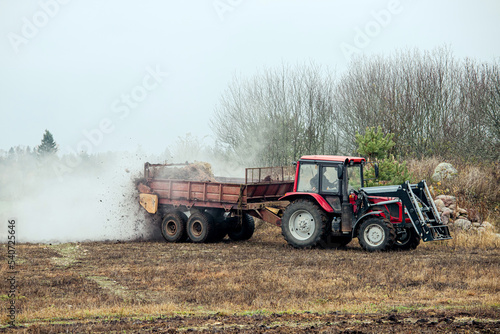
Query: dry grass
{"points": [[108, 280], [470, 240]]}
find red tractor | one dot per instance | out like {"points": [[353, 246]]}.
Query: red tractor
{"points": [[323, 204], [329, 207]]}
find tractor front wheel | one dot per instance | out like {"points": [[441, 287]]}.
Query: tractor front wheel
{"points": [[303, 224], [376, 234]]}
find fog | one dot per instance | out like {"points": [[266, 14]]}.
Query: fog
{"points": [[67, 66]]}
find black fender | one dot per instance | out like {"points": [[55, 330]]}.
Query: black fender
{"points": [[355, 228]]}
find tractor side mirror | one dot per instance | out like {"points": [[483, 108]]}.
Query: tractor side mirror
{"points": [[375, 165], [340, 172]]}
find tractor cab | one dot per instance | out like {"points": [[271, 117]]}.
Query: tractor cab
{"points": [[331, 177], [323, 174]]}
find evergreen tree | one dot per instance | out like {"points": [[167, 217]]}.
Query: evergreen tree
{"points": [[376, 147], [48, 146], [12, 154]]}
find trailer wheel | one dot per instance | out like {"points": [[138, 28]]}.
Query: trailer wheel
{"points": [[376, 234], [303, 224], [200, 227], [243, 231], [407, 240], [173, 227]]}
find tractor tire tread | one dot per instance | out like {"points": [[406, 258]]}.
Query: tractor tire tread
{"points": [[312, 208]]}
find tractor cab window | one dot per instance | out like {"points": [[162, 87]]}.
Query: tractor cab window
{"points": [[354, 177], [308, 178], [329, 181]]}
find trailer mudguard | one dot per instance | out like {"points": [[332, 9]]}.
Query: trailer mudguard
{"points": [[316, 197]]}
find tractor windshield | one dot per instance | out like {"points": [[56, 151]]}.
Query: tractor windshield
{"points": [[354, 177]]}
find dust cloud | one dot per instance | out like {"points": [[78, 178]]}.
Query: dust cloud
{"points": [[89, 198], [95, 200]]}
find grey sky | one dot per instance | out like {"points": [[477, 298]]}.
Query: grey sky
{"points": [[85, 65]]}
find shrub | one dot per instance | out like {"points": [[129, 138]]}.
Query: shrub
{"points": [[376, 147]]}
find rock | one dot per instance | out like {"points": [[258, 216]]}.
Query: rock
{"points": [[487, 225], [463, 224], [445, 215], [481, 229], [440, 205], [448, 200], [476, 225], [444, 171], [462, 211], [447, 212]]}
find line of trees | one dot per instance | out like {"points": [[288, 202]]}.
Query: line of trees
{"points": [[432, 103], [47, 148]]}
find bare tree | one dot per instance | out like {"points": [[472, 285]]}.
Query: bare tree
{"points": [[278, 115]]}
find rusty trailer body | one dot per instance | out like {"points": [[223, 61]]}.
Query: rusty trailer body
{"points": [[219, 207]]}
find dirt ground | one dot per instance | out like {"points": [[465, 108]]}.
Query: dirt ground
{"points": [[410, 322], [261, 285]]}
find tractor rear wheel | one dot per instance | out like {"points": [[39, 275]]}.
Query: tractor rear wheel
{"points": [[376, 234], [200, 227], [407, 240], [173, 227], [243, 231], [303, 224]]}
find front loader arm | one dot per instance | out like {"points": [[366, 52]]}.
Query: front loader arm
{"points": [[418, 206]]}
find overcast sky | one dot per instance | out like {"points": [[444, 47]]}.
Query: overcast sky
{"points": [[116, 74]]}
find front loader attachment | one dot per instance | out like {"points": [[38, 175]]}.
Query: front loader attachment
{"points": [[422, 211], [418, 206]]}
